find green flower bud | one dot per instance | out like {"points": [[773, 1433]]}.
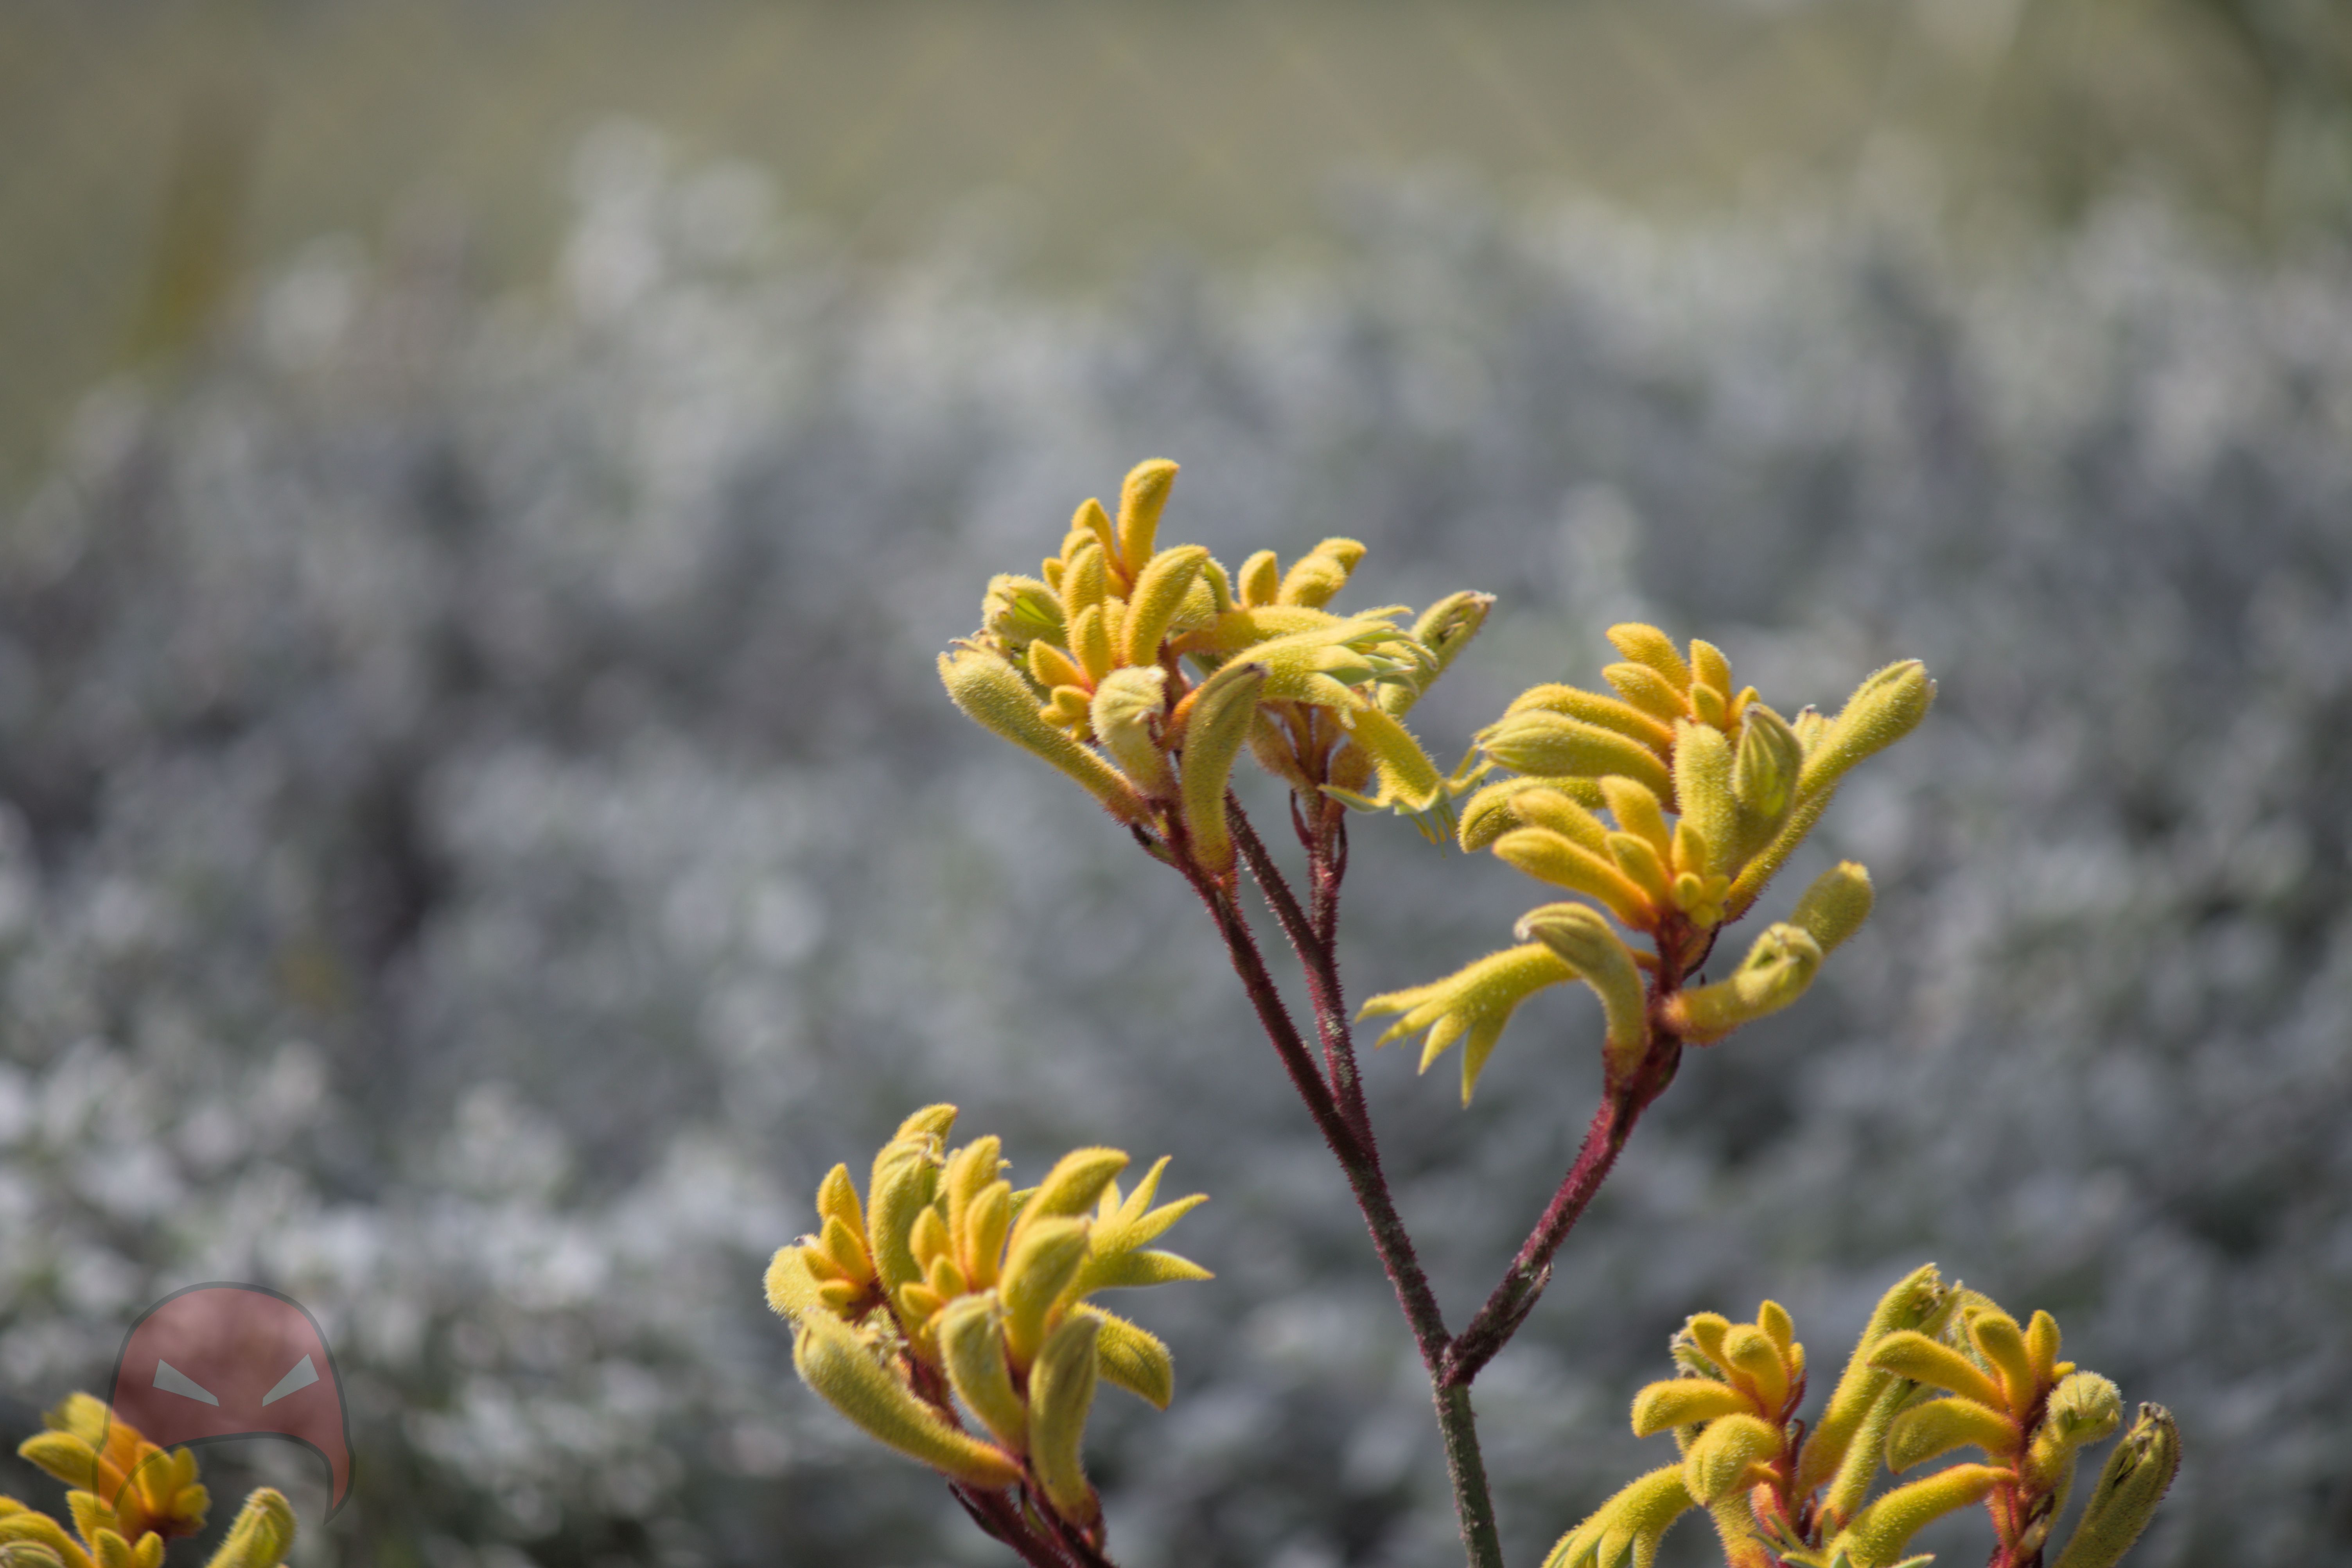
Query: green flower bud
{"points": [[1130, 1358], [1777, 971], [1931, 1430], [1127, 710], [1882, 710], [1018, 610], [972, 1346], [2137, 1475], [1039, 1265], [1764, 777], [1445, 629], [1061, 1393], [1834, 907]]}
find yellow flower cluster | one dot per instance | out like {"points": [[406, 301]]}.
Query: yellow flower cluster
{"points": [[128, 1495], [1706, 791], [946, 1293], [1781, 1496], [1142, 672]]}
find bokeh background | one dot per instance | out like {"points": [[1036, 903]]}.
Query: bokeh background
{"points": [[480, 834]]}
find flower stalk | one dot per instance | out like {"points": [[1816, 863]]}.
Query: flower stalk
{"points": [[952, 1324]]}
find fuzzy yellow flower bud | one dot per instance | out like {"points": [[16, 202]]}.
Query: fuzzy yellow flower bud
{"points": [[1143, 496], [1647, 645], [1316, 577], [1160, 596], [1684, 1402], [1639, 812], [1876, 1537], [905, 1179], [1538, 741], [1260, 579], [1040, 1263], [1835, 906], [971, 1347], [1913, 1355], [1929, 1431], [1077, 1179], [1061, 1393], [1504, 805], [993, 693], [1552, 857], [1704, 768], [39, 1531], [2001, 1342], [1722, 1460], [833, 1359], [1216, 722], [114, 1552], [1625, 1530], [1600, 957], [1594, 708], [1646, 689], [260, 1537]]}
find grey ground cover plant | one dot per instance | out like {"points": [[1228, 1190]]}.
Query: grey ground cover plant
{"points": [[484, 839]]}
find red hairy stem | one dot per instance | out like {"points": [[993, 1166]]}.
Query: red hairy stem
{"points": [[1359, 1162], [1312, 939], [1327, 859], [1623, 1101], [1365, 1179]]}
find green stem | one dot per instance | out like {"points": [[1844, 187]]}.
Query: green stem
{"points": [[1466, 1468]]}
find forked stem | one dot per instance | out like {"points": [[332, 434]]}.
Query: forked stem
{"points": [[1337, 1104], [1334, 1097]]}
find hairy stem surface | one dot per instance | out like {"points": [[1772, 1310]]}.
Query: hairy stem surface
{"points": [[1340, 1115]]}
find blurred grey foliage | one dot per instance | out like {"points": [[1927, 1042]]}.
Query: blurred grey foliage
{"points": [[482, 835]]}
